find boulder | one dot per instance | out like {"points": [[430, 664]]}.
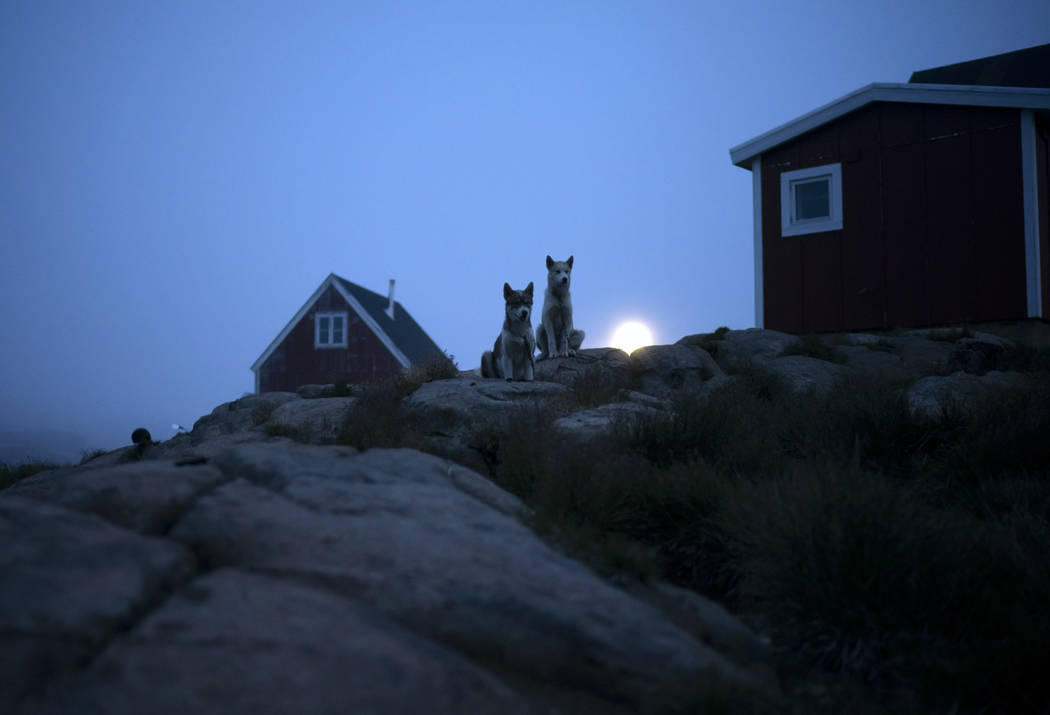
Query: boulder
{"points": [[802, 373], [70, 582], [930, 396], [609, 364], [146, 496], [242, 644], [864, 357], [241, 415], [666, 370], [739, 348], [585, 425], [978, 354], [314, 420], [443, 563]]}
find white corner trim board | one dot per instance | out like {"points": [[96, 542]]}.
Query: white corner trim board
{"points": [[756, 190], [1030, 191]]}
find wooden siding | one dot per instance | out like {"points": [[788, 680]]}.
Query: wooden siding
{"points": [[296, 362], [1042, 148], [932, 231]]}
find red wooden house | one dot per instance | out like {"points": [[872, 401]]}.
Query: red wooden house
{"points": [[343, 333], [903, 205]]}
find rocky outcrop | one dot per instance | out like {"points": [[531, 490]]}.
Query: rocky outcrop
{"points": [[253, 566], [282, 576]]}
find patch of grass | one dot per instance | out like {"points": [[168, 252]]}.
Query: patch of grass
{"points": [[14, 473], [860, 575], [88, 454], [811, 345], [596, 386], [378, 419], [902, 555], [710, 341], [1026, 358]]}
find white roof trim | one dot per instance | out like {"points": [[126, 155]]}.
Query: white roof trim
{"points": [[960, 94], [356, 306]]}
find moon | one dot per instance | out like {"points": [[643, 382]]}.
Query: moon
{"points": [[631, 335]]}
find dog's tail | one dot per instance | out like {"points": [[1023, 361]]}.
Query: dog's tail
{"points": [[487, 367]]}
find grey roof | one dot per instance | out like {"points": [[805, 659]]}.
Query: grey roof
{"points": [[403, 329], [1022, 68]]}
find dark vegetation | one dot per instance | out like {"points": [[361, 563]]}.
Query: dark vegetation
{"points": [[899, 560], [907, 555]]}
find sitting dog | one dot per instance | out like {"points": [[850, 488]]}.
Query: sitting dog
{"points": [[512, 356], [556, 337]]}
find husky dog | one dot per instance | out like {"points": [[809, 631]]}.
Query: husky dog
{"points": [[556, 337], [512, 355]]}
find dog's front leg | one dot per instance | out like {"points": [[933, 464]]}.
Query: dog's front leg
{"points": [[506, 364], [553, 346], [530, 358]]}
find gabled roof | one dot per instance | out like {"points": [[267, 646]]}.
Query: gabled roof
{"points": [[967, 95], [1021, 68], [400, 334]]}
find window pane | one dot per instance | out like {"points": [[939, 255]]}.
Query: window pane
{"points": [[337, 330], [322, 330], [812, 199]]}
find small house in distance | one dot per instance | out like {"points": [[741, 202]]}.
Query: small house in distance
{"points": [[343, 333], [905, 205]]}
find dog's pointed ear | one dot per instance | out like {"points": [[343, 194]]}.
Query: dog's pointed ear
{"points": [[569, 261], [549, 262], [506, 291], [528, 289]]}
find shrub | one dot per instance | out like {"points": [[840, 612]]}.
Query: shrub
{"points": [[13, 473], [814, 347]]}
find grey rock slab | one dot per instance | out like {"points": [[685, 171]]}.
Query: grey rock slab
{"points": [[921, 356], [314, 421], [240, 415], [739, 348], [240, 643], [929, 396], [183, 448], [865, 359], [274, 466], [448, 567], [657, 403], [585, 425], [611, 364], [143, 496], [708, 620], [69, 581], [462, 400], [665, 370], [802, 373]]}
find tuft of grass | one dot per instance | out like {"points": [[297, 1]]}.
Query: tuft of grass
{"points": [[812, 346], [596, 386], [14, 473], [710, 341], [88, 454]]}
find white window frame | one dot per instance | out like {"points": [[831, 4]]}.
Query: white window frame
{"points": [[317, 329], [789, 225]]}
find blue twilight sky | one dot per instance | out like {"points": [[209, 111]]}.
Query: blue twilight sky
{"points": [[177, 177]]}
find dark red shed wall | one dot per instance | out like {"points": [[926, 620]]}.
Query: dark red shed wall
{"points": [[296, 362], [1042, 146], [932, 231]]}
